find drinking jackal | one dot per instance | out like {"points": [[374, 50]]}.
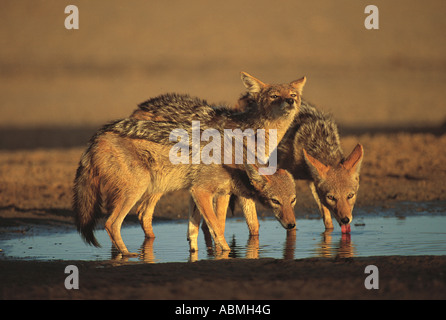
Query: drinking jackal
{"points": [[311, 150]]}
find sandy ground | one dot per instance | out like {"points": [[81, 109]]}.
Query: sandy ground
{"points": [[420, 277], [384, 87]]}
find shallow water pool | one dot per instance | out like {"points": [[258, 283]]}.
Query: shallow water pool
{"points": [[419, 233]]}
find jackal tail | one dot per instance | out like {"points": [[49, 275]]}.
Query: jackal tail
{"points": [[86, 201]]}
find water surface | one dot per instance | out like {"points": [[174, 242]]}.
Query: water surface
{"points": [[419, 232]]}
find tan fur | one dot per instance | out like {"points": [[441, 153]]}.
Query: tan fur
{"points": [[277, 193], [266, 95], [336, 187]]}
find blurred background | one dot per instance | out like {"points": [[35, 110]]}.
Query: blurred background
{"points": [[57, 86]]}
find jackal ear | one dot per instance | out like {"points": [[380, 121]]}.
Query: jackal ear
{"points": [[318, 170], [354, 160], [257, 180], [252, 84], [299, 84]]}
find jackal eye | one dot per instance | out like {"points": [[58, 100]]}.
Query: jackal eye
{"points": [[275, 201], [274, 96], [293, 95], [293, 200], [350, 195], [331, 197]]}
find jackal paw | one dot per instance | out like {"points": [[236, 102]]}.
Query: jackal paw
{"points": [[192, 250], [222, 247], [129, 254]]}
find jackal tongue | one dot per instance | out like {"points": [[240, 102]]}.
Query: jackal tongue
{"points": [[345, 228]]}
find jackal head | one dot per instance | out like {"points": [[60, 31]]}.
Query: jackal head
{"points": [[279, 99], [277, 192], [337, 186]]}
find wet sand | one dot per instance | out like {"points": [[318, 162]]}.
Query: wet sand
{"points": [[421, 277]]}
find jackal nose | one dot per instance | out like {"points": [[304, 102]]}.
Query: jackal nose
{"points": [[289, 101], [290, 225], [345, 220]]}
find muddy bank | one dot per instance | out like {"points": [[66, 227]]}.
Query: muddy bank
{"points": [[421, 277]]}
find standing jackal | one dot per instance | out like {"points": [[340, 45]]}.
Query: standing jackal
{"points": [[125, 163]]}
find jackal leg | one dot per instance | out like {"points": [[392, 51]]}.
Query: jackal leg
{"points": [[325, 212], [193, 226], [204, 201], [121, 208], [145, 213], [221, 209], [249, 210], [326, 217], [206, 233]]}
